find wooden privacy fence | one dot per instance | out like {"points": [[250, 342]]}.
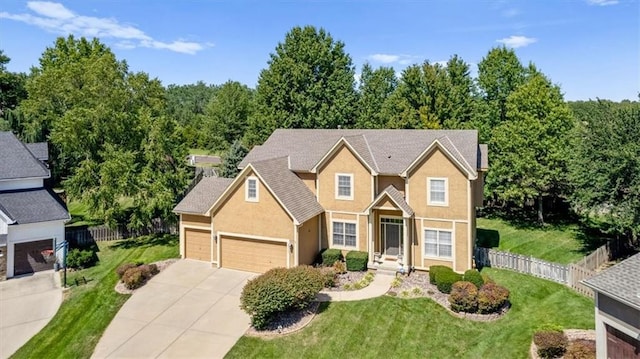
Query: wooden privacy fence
{"points": [[83, 236]]}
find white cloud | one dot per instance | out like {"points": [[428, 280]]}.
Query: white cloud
{"points": [[516, 41], [602, 2], [384, 58], [56, 18]]}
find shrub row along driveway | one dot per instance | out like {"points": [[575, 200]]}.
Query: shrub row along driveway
{"points": [[188, 310]]}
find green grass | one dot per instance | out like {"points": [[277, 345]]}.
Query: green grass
{"points": [[199, 151], [80, 215], [389, 327], [87, 309], [554, 243]]}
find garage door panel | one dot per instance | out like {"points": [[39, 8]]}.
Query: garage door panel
{"points": [[197, 244], [252, 255], [29, 257]]}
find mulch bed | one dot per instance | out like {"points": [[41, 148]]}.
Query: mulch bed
{"points": [[287, 323], [162, 265], [573, 335], [417, 285], [346, 278]]}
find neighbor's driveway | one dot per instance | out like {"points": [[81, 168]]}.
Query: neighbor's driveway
{"points": [[27, 303], [189, 310]]}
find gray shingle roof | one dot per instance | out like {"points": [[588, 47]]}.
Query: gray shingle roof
{"points": [[33, 205], [295, 196], [17, 161], [392, 151], [397, 197], [200, 199], [40, 150], [620, 281]]}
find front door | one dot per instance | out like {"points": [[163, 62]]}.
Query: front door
{"points": [[391, 236]]}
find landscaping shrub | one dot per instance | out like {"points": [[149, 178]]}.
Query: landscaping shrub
{"points": [[491, 297], [581, 349], [473, 276], [339, 267], [278, 290], [328, 276], [148, 270], [133, 278], [486, 279], [357, 261], [330, 256], [123, 268], [433, 270], [551, 343], [464, 297], [445, 279], [81, 258]]}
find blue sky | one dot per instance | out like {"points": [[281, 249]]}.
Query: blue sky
{"points": [[591, 48]]}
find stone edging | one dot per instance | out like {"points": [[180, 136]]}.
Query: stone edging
{"points": [[270, 334]]}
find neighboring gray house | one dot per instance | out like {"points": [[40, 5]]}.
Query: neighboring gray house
{"points": [[32, 217], [617, 292]]}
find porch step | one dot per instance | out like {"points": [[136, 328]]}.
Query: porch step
{"points": [[389, 272]]}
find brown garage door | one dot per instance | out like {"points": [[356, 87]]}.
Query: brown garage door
{"points": [[252, 255], [197, 244], [620, 345], [33, 257]]}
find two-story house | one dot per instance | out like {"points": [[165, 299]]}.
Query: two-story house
{"points": [[407, 197], [32, 217]]}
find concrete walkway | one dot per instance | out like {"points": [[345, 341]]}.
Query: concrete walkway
{"points": [[27, 304], [380, 285], [189, 310]]}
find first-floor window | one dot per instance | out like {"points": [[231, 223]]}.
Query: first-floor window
{"points": [[437, 243], [344, 234]]}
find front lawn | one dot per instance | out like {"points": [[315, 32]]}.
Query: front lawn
{"points": [[87, 309], [389, 327], [557, 243]]}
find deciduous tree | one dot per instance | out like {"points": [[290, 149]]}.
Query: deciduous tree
{"points": [[374, 89]]}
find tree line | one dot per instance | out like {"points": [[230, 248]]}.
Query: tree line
{"points": [[118, 134]]}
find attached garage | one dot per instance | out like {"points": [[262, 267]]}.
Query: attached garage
{"points": [[252, 255], [620, 345], [197, 244], [32, 257]]}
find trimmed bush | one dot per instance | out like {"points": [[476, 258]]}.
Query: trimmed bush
{"points": [[551, 343], [329, 276], [81, 258], [464, 297], [133, 278], [357, 261], [486, 279], [473, 276], [491, 298], [279, 290], [339, 267], [433, 270], [445, 280], [123, 268], [330, 256], [581, 349]]}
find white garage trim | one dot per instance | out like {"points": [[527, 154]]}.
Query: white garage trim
{"points": [[183, 237]]}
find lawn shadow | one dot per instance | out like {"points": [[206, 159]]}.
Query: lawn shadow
{"points": [[488, 238], [147, 241]]}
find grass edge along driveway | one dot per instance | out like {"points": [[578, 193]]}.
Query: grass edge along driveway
{"points": [[87, 309], [418, 328]]}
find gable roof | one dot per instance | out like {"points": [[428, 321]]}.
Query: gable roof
{"points": [[32, 206], [203, 195], [356, 144], [396, 197], [620, 281], [40, 150], [387, 151], [17, 161]]}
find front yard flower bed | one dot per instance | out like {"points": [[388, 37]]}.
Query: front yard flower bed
{"points": [[138, 274]]}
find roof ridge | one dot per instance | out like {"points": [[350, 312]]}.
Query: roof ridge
{"points": [[373, 158], [473, 170]]}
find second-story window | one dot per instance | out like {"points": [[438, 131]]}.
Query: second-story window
{"points": [[251, 190], [344, 186], [437, 194]]}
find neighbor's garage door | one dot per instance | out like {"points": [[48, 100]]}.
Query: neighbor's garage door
{"points": [[33, 257], [620, 345], [197, 243], [252, 255]]}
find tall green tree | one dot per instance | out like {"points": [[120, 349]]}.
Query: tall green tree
{"points": [[309, 84], [232, 158], [374, 89], [461, 105], [605, 168], [227, 114], [529, 151], [187, 105], [12, 92]]}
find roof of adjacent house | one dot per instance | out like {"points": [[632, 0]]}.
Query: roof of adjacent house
{"points": [[18, 161], [620, 281], [32, 206], [294, 195], [386, 151], [200, 199], [40, 150]]}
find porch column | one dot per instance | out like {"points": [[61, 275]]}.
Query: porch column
{"points": [[405, 244], [370, 243]]}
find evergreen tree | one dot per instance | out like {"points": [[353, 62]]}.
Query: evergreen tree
{"points": [[231, 159]]}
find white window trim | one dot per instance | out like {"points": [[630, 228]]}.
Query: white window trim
{"points": [[338, 196], [246, 189], [424, 243], [446, 192], [356, 247]]}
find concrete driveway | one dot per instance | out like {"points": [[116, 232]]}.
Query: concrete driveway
{"points": [[189, 310], [27, 304]]}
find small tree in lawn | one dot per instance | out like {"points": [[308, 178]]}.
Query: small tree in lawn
{"points": [[231, 159]]}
